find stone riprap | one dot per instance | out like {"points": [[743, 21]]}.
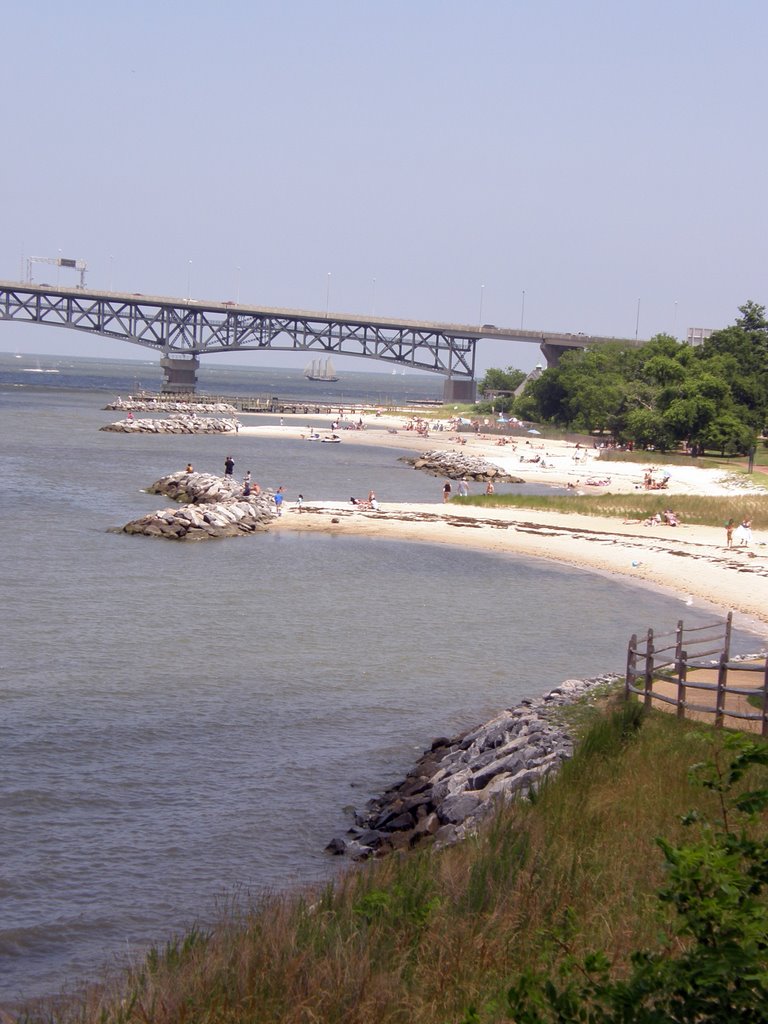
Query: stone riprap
{"points": [[179, 424], [169, 405], [455, 465], [197, 488], [215, 507], [458, 782]]}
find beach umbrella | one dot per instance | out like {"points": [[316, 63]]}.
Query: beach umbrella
{"points": [[533, 430]]}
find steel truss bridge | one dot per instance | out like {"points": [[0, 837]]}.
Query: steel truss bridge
{"points": [[183, 330]]}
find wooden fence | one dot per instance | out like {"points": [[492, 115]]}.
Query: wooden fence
{"points": [[672, 668]]}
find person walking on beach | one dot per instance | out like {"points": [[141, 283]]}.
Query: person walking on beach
{"points": [[463, 487], [744, 532], [279, 500], [447, 490], [489, 488], [729, 526], [229, 466]]}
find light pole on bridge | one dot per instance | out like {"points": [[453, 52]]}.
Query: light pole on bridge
{"points": [[327, 293], [189, 280]]}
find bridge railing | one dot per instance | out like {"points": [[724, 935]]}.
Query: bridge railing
{"points": [[660, 667]]}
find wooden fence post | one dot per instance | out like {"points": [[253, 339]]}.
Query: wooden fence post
{"points": [[678, 641], [682, 674], [764, 730], [631, 675], [722, 673], [647, 700]]}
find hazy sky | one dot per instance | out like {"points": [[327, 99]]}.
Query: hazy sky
{"points": [[599, 157]]}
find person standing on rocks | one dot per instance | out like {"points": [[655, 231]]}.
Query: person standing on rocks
{"points": [[229, 466]]}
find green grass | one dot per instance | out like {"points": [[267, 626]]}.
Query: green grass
{"points": [[710, 460], [696, 509], [421, 937]]}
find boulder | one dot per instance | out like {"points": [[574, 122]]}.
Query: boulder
{"points": [[457, 783], [455, 465], [214, 507], [179, 424]]}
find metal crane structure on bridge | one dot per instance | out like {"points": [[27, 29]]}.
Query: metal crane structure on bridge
{"points": [[183, 330]]}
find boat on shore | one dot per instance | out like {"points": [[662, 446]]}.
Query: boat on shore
{"points": [[321, 370]]}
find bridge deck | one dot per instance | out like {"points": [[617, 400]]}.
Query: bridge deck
{"points": [[448, 329]]}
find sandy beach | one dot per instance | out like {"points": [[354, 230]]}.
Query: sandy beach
{"points": [[691, 562]]}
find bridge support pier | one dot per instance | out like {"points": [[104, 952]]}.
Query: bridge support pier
{"points": [[179, 375], [552, 352], [459, 390]]}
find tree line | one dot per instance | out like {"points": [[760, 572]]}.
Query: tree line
{"points": [[663, 394]]}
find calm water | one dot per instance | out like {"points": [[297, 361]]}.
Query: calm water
{"points": [[180, 722]]}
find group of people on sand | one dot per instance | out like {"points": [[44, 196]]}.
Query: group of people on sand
{"points": [[370, 502], [667, 518], [462, 488], [652, 483], [420, 425]]}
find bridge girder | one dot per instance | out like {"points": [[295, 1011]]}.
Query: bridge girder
{"points": [[194, 329]]}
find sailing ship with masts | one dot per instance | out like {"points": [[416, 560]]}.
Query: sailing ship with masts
{"points": [[321, 369]]}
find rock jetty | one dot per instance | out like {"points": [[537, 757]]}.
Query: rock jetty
{"points": [[458, 782], [180, 424], [169, 405], [197, 488], [214, 507], [455, 465]]}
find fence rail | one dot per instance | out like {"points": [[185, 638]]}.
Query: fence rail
{"points": [[662, 662]]}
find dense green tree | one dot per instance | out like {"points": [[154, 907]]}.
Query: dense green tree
{"points": [[715, 394], [496, 380], [752, 317], [647, 429], [728, 435]]}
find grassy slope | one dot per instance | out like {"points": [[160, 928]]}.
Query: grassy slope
{"points": [[422, 936], [694, 509]]}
